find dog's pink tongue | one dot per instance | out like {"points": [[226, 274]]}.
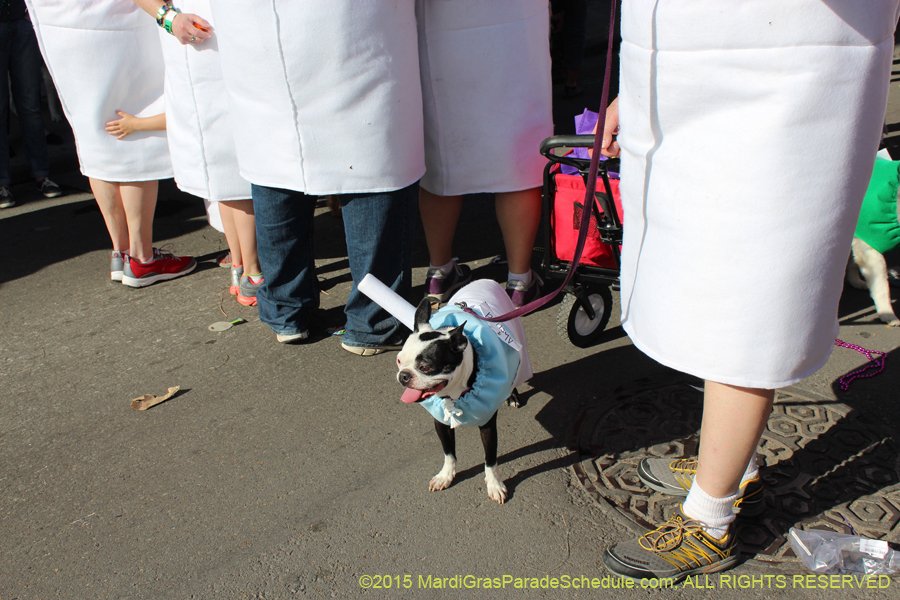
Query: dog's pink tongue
{"points": [[410, 395]]}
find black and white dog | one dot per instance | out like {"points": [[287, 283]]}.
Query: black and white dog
{"points": [[440, 366]]}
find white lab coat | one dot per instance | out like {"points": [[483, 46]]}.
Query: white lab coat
{"points": [[198, 116], [485, 69], [748, 134], [326, 94], [104, 55]]}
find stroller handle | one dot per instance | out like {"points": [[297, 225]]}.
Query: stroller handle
{"points": [[575, 141]]}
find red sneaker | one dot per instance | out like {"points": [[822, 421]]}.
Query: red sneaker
{"points": [[163, 266]]}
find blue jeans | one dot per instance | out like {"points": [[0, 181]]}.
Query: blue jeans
{"points": [[379, 229], [284, 241], [20, 62]]}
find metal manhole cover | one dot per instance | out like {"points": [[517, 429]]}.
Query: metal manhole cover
{"points": [[825, 466]]}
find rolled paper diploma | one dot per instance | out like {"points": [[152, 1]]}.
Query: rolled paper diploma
{"points": [[388, 299]]}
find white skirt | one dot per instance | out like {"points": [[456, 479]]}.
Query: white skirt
{"points": [[326, 95], [104, 56], [198, 118], [748, 134], [485, 69]]}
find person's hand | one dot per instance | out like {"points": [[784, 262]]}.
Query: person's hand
{"points": [[191, 29], [608, 146], [122, 127]]}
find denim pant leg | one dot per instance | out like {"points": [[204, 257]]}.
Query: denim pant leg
{"points": [[25, 79], [284, 239], [5, 38], [380, 229]]}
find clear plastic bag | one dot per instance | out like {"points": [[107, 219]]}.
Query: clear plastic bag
{"points": [[839, 553]]}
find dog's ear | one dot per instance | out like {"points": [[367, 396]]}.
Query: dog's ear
{"points": [[458, 339], [423, 314]]}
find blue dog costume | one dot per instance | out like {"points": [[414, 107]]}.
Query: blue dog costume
{"points": [[500, 354]]}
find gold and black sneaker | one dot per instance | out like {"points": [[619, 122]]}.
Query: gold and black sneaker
{"points": [[679, 548], [675, 476]]}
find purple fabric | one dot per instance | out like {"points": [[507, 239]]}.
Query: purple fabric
{"points": [[584, 125]]}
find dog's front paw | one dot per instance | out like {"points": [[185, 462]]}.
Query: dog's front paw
{"points": [[441, 481], [495, 488], [444, 478]]}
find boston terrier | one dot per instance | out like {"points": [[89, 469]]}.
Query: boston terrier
{"points": [[440, 366]]}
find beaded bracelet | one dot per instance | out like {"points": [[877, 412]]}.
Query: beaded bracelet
{"points": [[161, 13], [169, 18]]}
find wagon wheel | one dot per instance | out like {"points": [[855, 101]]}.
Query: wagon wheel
{"points": [[573, 322]]}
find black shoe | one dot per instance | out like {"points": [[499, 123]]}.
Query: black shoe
{"points": [[48, 187], [6, 197], [440, 286]]}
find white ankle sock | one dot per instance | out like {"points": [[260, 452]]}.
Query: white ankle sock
{"points": [[752, 469], [523, 277], [714, 513], [446, 268]]}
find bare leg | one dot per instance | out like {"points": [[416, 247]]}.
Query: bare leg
{"points": [[139, 201], [108, 198], [440, 214], [226, 210], [519, 215], [245, 227], [733, 421]]}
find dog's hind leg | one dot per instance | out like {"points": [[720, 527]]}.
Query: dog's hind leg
{"points": [[852, 275], [495, 488], [515, 400], [874, 269], [445, 476]]}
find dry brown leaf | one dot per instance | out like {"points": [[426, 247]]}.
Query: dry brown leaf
{"points": [[148, 400]]}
